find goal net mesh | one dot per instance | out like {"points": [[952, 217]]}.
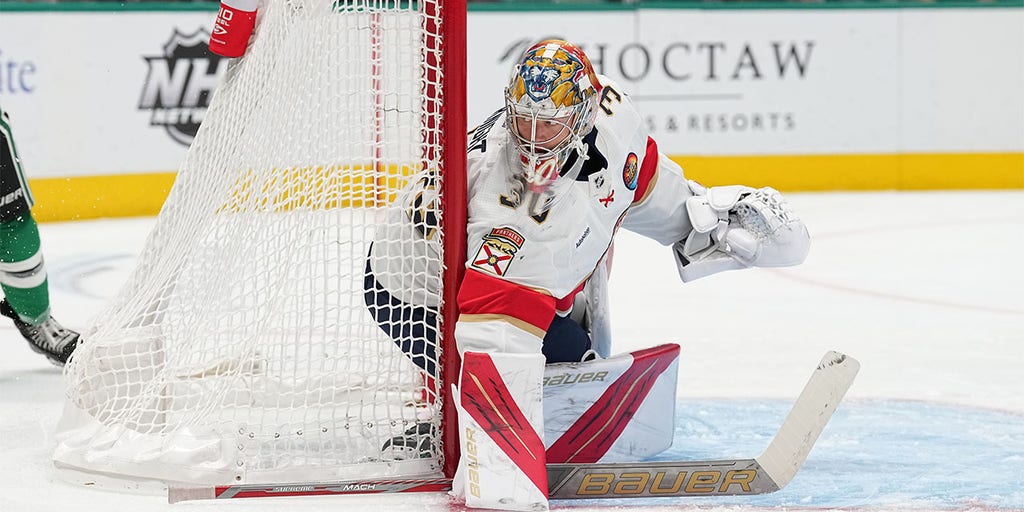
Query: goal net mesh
{"points": [[241, 348]]}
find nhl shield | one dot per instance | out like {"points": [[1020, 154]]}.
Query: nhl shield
{"points": [[180, 83]]}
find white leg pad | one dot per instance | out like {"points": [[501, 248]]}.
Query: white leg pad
{"points": [[501, 429], [611, 410]]}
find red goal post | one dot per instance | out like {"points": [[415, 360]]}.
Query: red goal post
{"points": [[453, 63]]}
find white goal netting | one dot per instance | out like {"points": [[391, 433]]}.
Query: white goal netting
{"points": [[241, 348]]}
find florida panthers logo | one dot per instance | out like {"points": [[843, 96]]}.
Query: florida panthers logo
{"points": [[553, 75], [498, 249]]}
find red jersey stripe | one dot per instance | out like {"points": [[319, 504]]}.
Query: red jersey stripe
{"points": [[482, 294], [648, 170], [565, 303]]}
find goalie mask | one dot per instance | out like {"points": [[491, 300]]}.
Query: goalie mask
{"points": [[550, 105]]}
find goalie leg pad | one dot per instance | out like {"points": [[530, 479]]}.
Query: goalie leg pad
{"points": [[611, 410], [501, 418]]}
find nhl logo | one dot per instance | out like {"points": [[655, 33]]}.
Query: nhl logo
{"points": [[180, 83]]}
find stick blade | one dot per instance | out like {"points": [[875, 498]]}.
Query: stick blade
{"points": [[809, 416]]}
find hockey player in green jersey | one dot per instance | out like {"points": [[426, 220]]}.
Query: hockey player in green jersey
{"points": [[22, 271]]}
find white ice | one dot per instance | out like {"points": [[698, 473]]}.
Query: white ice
{"points": [[925, 289]]}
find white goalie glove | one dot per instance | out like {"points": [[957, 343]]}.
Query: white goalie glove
{"points": [[738, 227]]}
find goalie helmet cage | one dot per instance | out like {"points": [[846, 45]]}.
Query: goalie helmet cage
{"points": [[241, 348]]}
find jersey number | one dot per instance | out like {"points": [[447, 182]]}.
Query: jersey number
{"points": [[608, 96], [539, 217]]}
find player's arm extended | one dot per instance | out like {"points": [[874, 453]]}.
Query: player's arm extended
{"points": [[714, 229]]}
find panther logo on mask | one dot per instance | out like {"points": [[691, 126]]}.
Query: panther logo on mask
{"points": [[551, 73]]}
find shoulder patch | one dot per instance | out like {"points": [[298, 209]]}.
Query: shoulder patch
{"points": [[631, 171], [497, 250]]}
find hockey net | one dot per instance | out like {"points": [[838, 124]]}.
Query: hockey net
{"points": [[241, 348]]}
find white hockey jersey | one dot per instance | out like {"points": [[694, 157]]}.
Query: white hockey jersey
{"points": [[526, 263]]}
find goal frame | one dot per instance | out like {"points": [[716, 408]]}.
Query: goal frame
{"points": [[454, 218]]}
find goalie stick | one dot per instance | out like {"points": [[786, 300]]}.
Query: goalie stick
{"points": [[766, 473]]}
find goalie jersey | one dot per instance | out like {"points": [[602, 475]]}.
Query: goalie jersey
{"points": [[527, 258]]}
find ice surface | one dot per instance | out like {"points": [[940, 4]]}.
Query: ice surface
{"points": [[925, 289]]}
